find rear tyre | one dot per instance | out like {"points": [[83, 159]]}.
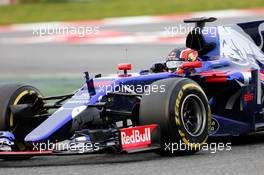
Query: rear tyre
{"points": [[14, 94], [182, 113]]}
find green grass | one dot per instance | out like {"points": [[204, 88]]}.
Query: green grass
{"points": [[49, 86], [48, 10]]}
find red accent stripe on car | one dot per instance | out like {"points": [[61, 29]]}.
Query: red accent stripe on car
{"points": [[215, 79], [25, 153]]}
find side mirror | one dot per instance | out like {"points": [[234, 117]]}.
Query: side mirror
{"points": [[125, 67]]}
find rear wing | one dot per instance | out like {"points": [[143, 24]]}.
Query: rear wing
{"points": [[195, 39]]}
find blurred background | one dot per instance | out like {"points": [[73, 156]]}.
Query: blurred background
{"points": [[50, 43], [55, 10]]}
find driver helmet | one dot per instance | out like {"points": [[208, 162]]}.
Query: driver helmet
{"points": [[184, 54], [177, 56]]}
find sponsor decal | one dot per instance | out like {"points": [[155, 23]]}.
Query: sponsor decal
{"points": [[214, 126], [136, 137], [241, 50], [248, 97], [76, 111], [81, 97]]}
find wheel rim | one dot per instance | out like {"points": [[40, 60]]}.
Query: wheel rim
{"points": [[17, 100], [22, 97], [193, 115]]}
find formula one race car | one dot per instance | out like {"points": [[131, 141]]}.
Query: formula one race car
{"points": [[174, 102]]}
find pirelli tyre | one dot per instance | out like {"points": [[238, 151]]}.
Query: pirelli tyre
{"points": [[182, 112], [20, 126]]}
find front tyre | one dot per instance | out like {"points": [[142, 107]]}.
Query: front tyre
{"points": [[182, 113], [20, 126]]}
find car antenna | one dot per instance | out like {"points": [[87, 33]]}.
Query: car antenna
{"points": [[126, 53]]}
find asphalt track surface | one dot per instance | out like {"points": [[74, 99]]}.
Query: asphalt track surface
{"points": [[246, 156]]}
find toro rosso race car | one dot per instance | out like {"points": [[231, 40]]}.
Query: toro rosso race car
{"points": [[220, 93]]}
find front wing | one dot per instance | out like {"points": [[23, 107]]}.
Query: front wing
{"points": [[130, 140]]}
